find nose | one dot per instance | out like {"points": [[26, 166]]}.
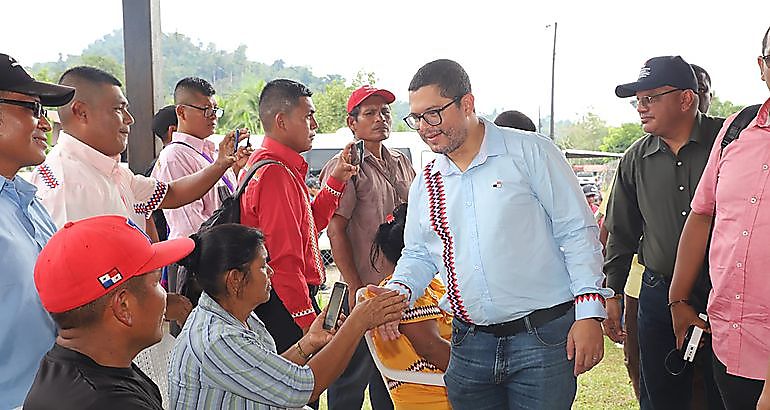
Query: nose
{"points": [[44, 124], [128, 119], [313, 123], [270, 271]]}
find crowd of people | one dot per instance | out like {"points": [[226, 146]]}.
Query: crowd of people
{"points": [[491, 266]]}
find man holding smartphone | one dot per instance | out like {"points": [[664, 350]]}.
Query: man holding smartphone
{"points": [[189, 151], [382, 183]]}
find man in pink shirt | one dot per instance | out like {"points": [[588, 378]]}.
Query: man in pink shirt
{"points": [[189, 152], [731, 196]]}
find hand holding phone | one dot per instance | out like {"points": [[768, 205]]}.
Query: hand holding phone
{"points": [[692, 340], [339, 293]]}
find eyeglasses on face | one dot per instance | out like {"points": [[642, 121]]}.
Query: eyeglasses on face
{"points": [[208, 112], [646, 100], [432, 117], [766, 59], [37, 109]]}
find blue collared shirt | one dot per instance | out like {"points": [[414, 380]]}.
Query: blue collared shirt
{"points": [[522, 236], [26, 330]]}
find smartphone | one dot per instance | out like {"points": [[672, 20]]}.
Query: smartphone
{"points": [[339, 292], [237, 139], [692, 340], [357, 153]]}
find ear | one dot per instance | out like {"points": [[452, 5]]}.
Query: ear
{"points": [[689, 98], [280, 121], [171, 130], [351, 123], [761, 65], [79, 110], [233, 280], [119, 304], [468, 104], [180, 112]]}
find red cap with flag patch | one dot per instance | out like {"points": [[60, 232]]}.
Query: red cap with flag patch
{"points": [[365, 92], [86, 259]]}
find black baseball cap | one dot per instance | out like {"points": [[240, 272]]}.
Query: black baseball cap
{"points": [[659, 72], [14, 78], [591, 189]]}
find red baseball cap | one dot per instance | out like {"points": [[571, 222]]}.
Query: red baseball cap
{"points": [[365, 92], [86, 259]]}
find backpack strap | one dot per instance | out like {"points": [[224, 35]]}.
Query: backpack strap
{"points": [[740, 122], [250, 175]]}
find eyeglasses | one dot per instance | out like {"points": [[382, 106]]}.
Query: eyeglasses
{"points": [[37, 109], [646, 100], [432, 117], [766, 59], [208, 111]]}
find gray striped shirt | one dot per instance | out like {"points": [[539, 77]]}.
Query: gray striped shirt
{"points": [[219, 364]]}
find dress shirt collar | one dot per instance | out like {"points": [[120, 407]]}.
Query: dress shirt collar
{"points": [[211, 306], [286, 155], [695, 136], [87, 155], [492, 145], [25, 192], [200, 144], [762, 119]]}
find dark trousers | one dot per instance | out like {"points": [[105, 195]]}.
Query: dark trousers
{"points": [[737, 392], [347, 392], [631, 344], [281, 325], [658, 357]]}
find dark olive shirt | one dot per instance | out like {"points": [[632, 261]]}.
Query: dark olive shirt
{"points": [[651, 199]]}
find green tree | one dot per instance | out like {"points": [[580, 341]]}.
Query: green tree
{"points": [[618, 139], [242, 109], [106, 63], [587, 133], [331, 106], [724, 108]]}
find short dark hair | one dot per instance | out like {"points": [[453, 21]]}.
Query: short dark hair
{"points": [[515, 119], [89, 314], [164, 118], [700, 70], [764, 41], [448, 75], [90, 74], [195, 84], [355, 111], [279, 95], [220, 249], [389, 239]]}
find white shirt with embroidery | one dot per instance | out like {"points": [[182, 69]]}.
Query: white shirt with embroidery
{"points": [[77, 181]]}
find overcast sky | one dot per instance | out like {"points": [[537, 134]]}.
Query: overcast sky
{"points": [[504, 46]]}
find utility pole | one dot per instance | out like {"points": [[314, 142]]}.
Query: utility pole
{"points": [[553, 78]]}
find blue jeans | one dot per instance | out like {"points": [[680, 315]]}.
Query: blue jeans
{"points": [[658, 388], [528, 370]]}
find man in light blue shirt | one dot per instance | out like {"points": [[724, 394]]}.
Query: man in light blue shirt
{"points": [[501, 217], [26, 330]]}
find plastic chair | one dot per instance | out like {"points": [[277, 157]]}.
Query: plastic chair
{"points": [[154, 362], [389, 373]]}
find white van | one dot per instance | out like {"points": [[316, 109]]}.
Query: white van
{"points": [[326, 146]]}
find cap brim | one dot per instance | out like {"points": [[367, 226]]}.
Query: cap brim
{"points": [[51, 95], [389, 96], [628, 90], [168, 252]]}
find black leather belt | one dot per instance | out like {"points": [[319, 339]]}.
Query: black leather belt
{"points": [[536, 319]]}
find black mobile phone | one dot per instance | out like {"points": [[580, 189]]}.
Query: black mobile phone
{"points": [[237, 138], [339, 292], [357, 153]]}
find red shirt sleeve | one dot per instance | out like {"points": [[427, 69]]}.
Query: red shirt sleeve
{"points": [[272, 204]]}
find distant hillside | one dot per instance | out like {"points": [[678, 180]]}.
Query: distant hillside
{"points": [[228, 71]]}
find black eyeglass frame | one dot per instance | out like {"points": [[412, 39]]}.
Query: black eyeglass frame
{"points": [[37, 109], [416, 118], [208, 112]]}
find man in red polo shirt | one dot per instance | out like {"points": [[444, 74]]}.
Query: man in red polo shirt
{"points": [[277, 202]]}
